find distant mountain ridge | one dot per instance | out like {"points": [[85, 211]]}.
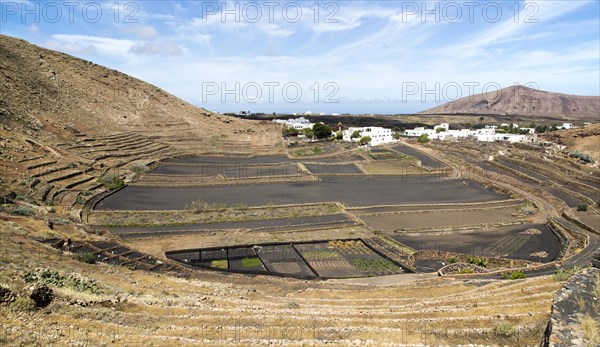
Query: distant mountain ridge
{"points": [[524, 101]]}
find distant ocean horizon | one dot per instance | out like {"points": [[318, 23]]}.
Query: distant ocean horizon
{"points": [[342, 107]]}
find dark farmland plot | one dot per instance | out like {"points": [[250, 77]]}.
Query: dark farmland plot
{"points": [[424, 158], [230, 171], [260, 225], [533, 242], [333, 169], [353, 191], [266, 159]]}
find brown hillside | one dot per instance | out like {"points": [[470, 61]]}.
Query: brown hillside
{"points": [[65, 121], [586, 140], [77, 95], [520, 100]]}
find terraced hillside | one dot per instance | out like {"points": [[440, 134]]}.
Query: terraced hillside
{"points": [[132, 306], [65, 121]]}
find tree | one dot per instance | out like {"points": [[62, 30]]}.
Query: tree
{"points": [[365, 140], [339, 135], [423, 138], [308, 132], [321, 131], [340, 125], [289, 131], [439, 130], [355, 135], [481, 119]]}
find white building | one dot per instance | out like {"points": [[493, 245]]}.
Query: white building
{"points": [[486, 134], [296, 123], [378, 135], [512, 138], [530, 130]]}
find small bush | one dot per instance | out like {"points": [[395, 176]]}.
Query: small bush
{"points": [[423, 138], [477, 261], [452, 260], [197, 206], [82, 197], [53, 278], [23, 211], [139, 168], [514, 275], [504, 329], [562, 275], [87, 258], [60, 221], [42, 295], [527, 208], [292, 305], [586, 158], [111, 181], [23, 305], [582, 207], [365, 140]]}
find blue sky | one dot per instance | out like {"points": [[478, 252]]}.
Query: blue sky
{"points": [[344, 56]]}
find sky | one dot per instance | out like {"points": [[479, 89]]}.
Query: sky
{"points": [[333, 56]]}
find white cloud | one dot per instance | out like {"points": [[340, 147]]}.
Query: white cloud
{"points": [[168, 49], [34, 29], [144, 32], [90, 45]]}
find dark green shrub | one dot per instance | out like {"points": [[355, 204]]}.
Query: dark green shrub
{"points": [[87, 258], [365, 140], [53, 278], [514, 275], [582, 207], [477, 261], [321, 131], [24, 211]]}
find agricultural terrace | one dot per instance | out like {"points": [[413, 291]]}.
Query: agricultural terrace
{"points": [[403, 208]]}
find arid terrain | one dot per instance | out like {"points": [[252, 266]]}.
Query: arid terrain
{"points": [[150, 221], [524, 101]]}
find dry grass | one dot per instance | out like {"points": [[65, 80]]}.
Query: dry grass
{"points": [[209, 215], [591, 329], [162, 310]]}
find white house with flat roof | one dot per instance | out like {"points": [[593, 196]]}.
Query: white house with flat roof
{"points": [[296, 123], [378, 135]]}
